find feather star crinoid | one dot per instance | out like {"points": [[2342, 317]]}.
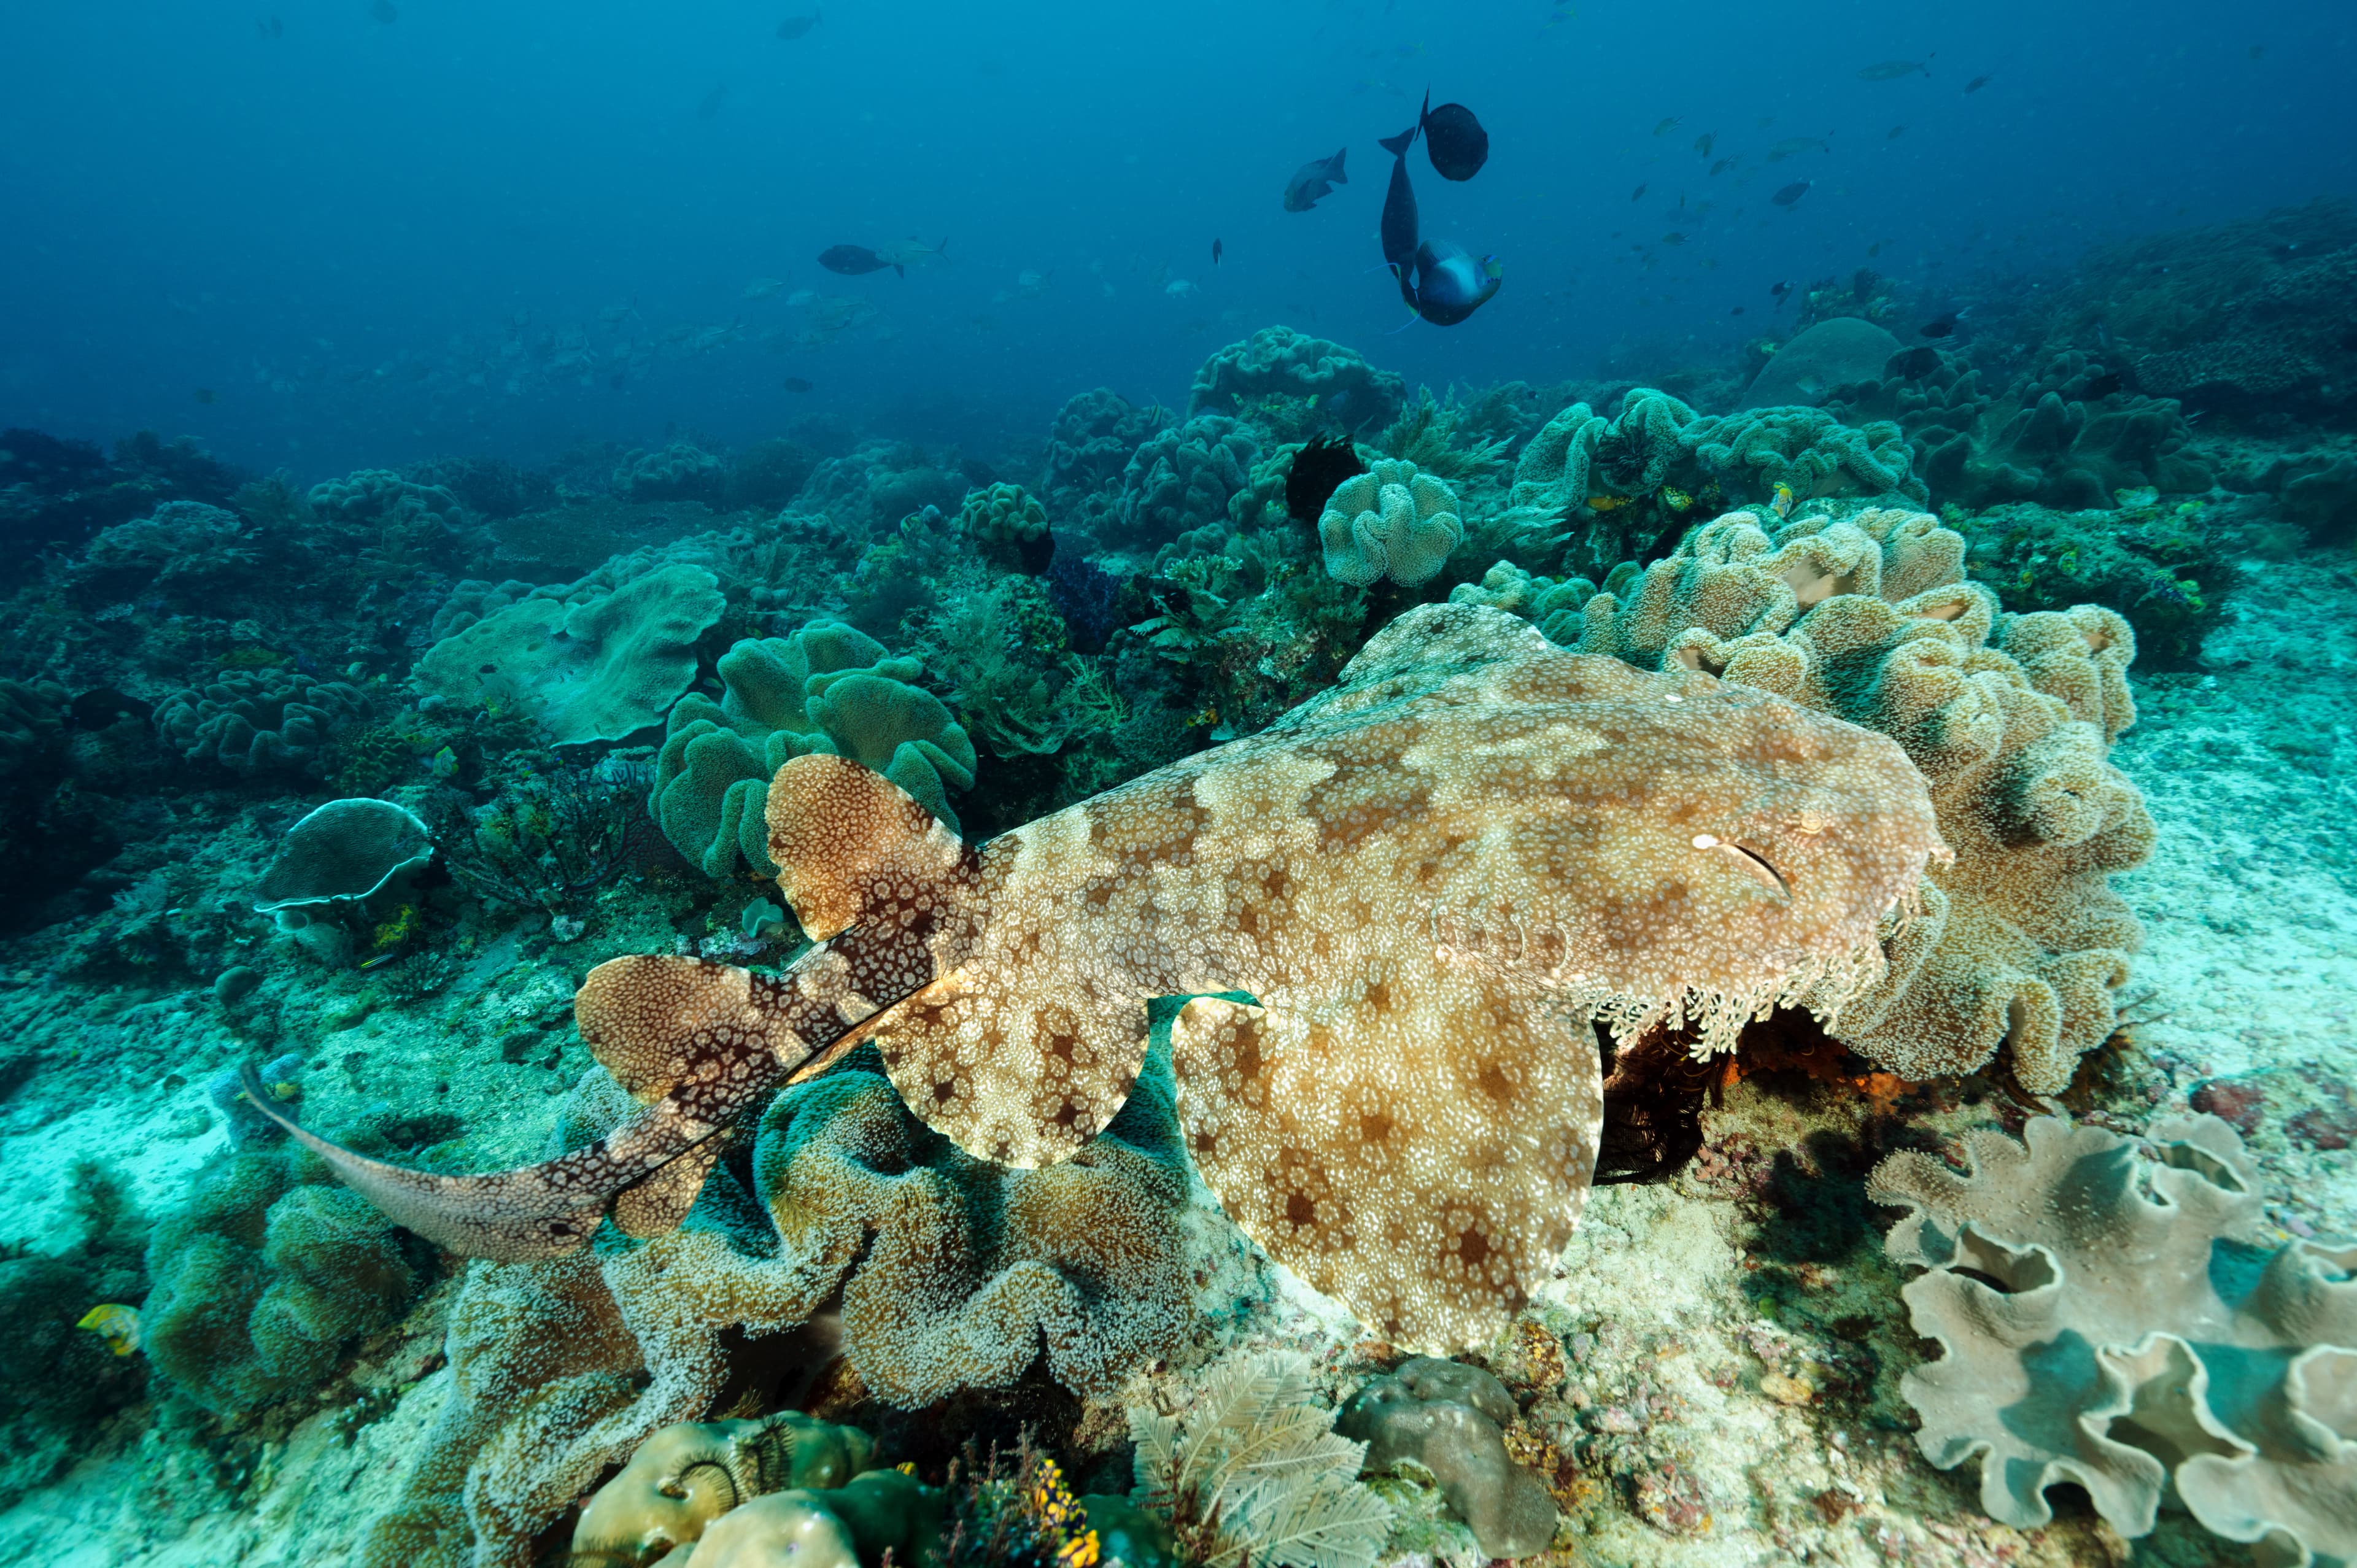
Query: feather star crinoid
{"points": [[1435, 880]]}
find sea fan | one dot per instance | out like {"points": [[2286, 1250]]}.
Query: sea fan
{"points": [[1251, 1471]]}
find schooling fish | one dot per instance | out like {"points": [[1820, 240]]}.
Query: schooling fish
{"points": [[1666, 125], [1637, 194], [1791, 193], [853, 260], [1217, 250], [1316, 178], [1943, 324], [1976, 83], [795, 26], [1892, 69], [1704, 142], [795, 384]]}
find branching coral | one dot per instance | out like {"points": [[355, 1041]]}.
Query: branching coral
{"points": [[1335, 380], [2110, 1316], [1391, 521], [2022, 941]]}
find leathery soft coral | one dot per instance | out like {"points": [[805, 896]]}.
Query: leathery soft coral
{"points": [[953, 1273], [2110, 1315], [2022, 943]]}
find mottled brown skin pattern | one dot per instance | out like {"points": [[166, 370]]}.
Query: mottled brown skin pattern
{"points": [[1432, 880]]}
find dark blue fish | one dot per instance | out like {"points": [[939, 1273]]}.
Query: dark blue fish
{"points": [[853, 260], [1453, 139], [1312, 180], [795, 26], [1791, 193], [1439, 281]]}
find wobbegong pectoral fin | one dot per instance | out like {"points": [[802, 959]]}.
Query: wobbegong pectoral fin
{"points": [[541, 1211], [656, 1205]]}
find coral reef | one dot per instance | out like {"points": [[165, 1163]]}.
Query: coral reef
{"points": [[1330, 384], [2110, 1316], [264, 1278], [258, 721], [1089, 448], [1451, 1418], [1180, 478], [881, 1517], [953, 1274], [688, 1474], [344, 851], [596, 660], [2166, 568], [2022, 941], [827, 688], [1390, 521], [1835, 352]]}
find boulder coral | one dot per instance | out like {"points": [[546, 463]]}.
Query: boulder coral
{"points": [[2022, 943], [588, 662], [1179, 479], [688, 1474], [2111, 1313], [953, 1274], [827, 688], [1390, 521], [1451, 1418], [258, 721], [1278, 360]]}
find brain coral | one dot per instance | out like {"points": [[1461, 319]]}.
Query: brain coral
{"points": [[828, 688], [953, 1274], [2022, 943], [1180, 478], [1831, 354], [1390, 521], [592, 662], [1280, 360], [258, 721], [2111, 1314]]}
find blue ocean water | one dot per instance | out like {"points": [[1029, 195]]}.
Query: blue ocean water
{"points": [[375, 240]]}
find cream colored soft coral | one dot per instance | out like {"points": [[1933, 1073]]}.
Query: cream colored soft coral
{"points": [[2022, 941]]}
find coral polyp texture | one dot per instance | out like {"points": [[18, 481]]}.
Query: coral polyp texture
{"points": [[1389, 523], [828, 688], [2023, 943], [2111, 1314]]}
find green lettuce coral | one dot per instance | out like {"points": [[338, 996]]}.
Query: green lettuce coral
{"points": [[828, 688]]}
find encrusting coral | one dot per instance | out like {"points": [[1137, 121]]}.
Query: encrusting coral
{"points": [[2110, 1316], [2022, 943], [1474, 835], [1390, 521], [1452, 1419]]}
